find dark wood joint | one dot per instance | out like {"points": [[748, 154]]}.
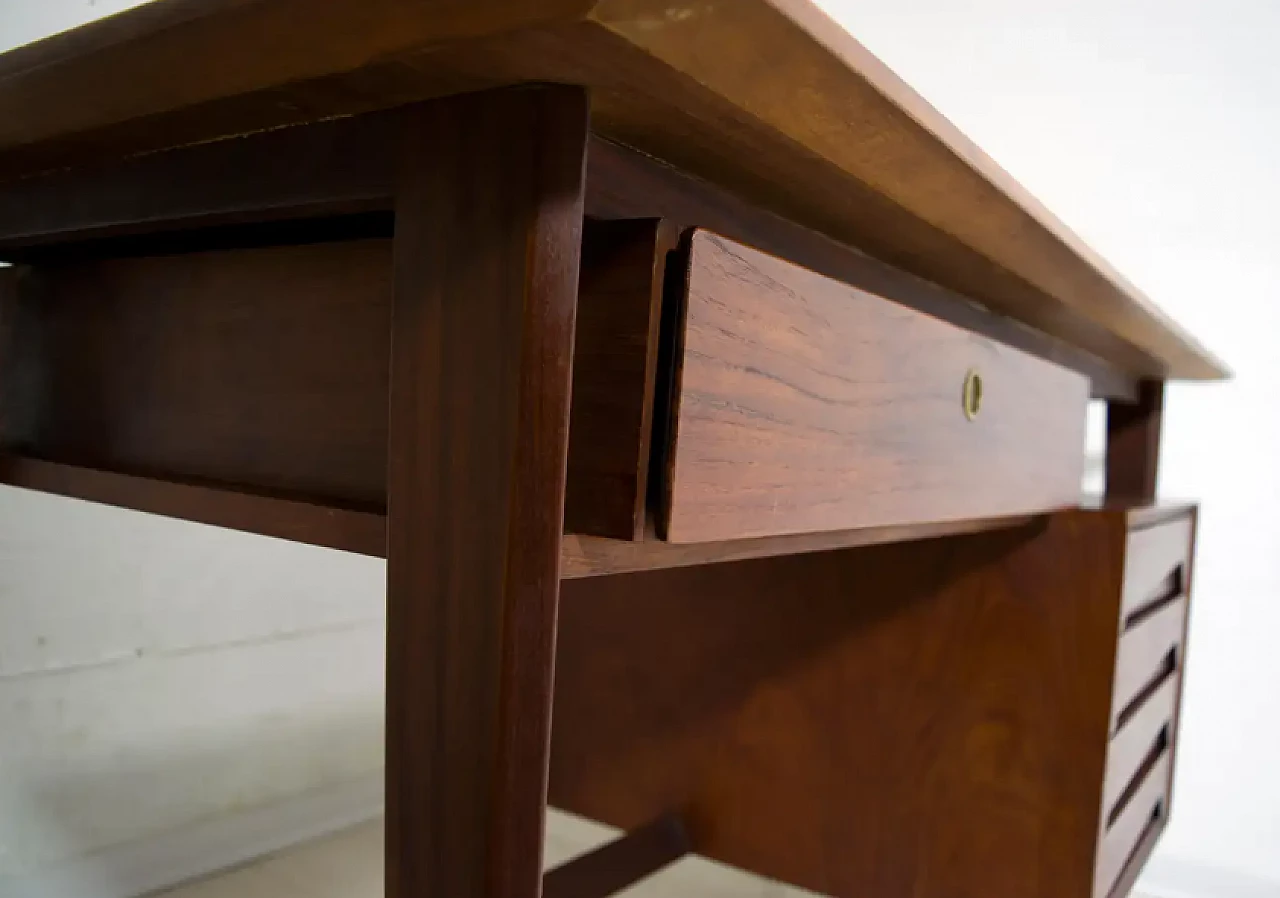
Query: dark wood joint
{"points": [[621, 863]]}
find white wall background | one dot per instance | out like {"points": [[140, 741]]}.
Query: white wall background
{"points": [[1150, 126], [142, 662], [157, 675], [23, 21]]}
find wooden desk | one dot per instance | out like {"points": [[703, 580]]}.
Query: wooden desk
{"points": [[677, 348]]}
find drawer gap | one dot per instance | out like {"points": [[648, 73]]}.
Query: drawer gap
{"points": [[1147, 652], [1129, 746], [370, 225], [1157, 814], [615, 360], [1168, 666], [1170, 589], [675, 281], [1118, 844], [1158, 748]]}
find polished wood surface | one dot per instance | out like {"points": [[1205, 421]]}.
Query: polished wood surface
{"points": [[262, 368], [321, 169], [801, 404], [913, 719], [1133, 445], [1145, 811], [623, 183], [364, 532], [586, 556], [330, 526], [186, 283], [380, 286], [488, 232], [824, 135], [615, 362]]}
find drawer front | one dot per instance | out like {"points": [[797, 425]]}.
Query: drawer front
{"points": [[1147, 732], [1153, 614], [1146, 688], [801, 404], [1156, 561], [1125, 838], [1148, 653]]}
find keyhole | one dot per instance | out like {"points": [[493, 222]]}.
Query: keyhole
{"points": [[971, 398]]}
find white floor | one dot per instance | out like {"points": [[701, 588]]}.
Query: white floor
{"points": [[349, 865]]}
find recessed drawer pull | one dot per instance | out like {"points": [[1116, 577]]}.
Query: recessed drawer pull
{"points": [[1144, 653], [801, 404], [1151, 556], [1158, 814], [1140, 730], [1170, 588], [1154, 751], [1162, 674], [1145, 807]]}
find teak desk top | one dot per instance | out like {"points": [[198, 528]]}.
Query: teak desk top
{"points": [[704, 390], [768, 98]]}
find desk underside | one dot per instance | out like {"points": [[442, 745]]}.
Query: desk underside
{"points": [[212, 325]]}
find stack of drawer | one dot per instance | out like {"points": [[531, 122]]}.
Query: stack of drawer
{"points": [[1145, 697]]}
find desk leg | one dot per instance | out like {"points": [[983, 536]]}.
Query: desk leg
{"points": [[1133, 444], [487, 242]]}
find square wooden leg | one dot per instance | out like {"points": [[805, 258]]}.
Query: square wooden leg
{"points": [[487, 242], [1133, 444]]}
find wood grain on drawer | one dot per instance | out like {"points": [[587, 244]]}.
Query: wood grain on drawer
{"points": [[803, 404]]}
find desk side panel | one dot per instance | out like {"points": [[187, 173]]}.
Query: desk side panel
{"points": [[913, 719]]}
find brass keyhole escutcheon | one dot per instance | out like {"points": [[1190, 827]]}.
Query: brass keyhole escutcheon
{"points": [[971, 398]]}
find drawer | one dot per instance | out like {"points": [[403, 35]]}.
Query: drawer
{"points": [[1155, 564], [1125, 837], [800, 404], [1146, 688]]}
